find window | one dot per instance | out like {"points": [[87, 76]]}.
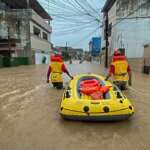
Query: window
{"points": [[36, 31], [45, 37]]}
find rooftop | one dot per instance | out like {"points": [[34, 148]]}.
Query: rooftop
{"points": [[108, 5], [22, 4]]}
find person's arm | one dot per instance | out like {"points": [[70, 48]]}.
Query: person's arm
{"points": [[129, 70], [64, 69], [48, 73], [111, 72], [130, 76]]}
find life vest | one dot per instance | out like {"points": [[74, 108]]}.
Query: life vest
{"points": [[89, 86], [92, 88], [92, 82], [56, 69], [120, 65], [118, 58]]}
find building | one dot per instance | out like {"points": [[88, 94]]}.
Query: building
{"points": [[128, 27], [24, 30], [69, 52], [95, 46]]}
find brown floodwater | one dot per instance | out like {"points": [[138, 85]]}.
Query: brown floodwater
{"points": [[30, 120]]}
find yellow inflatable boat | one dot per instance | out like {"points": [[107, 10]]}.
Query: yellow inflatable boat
{"points": [[105, 103]]}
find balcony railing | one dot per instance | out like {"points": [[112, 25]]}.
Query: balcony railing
{"points": [[40, 21]]}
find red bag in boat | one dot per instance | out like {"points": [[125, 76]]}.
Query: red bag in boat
{"points": [[89, 86], [91, 82], [97, 95], [89, 90]]}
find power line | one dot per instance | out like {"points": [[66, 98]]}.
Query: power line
{"points": [[72, 17], [84, 38], [90, 6], [88, 13]]}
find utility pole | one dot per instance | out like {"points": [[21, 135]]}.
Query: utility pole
{"points": [[106, 39], [66, 47], [67, 54]]}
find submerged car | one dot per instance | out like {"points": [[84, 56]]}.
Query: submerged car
{"points": [[89, 97]]}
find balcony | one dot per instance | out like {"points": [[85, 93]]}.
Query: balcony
{"points": [[41, 22], [39, 44]]}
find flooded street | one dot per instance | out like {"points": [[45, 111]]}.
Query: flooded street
{"points": [[29, 114]]}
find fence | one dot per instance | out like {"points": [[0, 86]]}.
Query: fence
{"points": [[13, 61]]}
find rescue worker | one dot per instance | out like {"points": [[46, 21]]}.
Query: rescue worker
{"points": [[120, 70], [55, 70]]}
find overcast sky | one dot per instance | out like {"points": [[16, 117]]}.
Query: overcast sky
{"points": [[78, 39]]}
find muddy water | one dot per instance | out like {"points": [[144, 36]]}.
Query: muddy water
{"points": [[29, 118]]}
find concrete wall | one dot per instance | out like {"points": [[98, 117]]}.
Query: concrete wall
{"points": [[132, 34], [137, 64], [125, 7], [147, 55], [112, 14], [147, 51], [36, 18], [32, 24], [39, 56], [112, 20], [38, 44]]}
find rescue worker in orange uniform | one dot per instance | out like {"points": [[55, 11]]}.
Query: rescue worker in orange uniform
{"points": [[55, 70], [120, 70]]}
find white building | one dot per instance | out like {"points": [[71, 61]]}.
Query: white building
{"points": [[129, 28], [40, 31]]}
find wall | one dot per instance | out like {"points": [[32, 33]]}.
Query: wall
{"points": [[39, 57], [147, 55], [41, 22], [38, 44], [1, 61], [112, 20], [137, 64], [17, 23], [132, 34], [32, 24], [125, 7], [112, 14]]}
